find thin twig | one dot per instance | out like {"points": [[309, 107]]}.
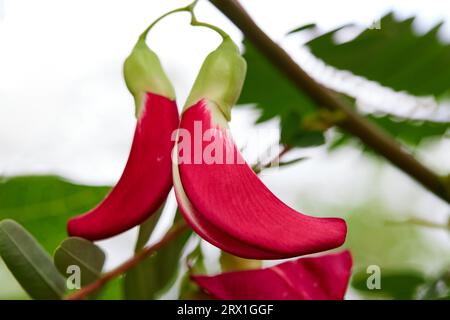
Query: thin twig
{"points": [[261, 166], [420, 223], [173, 233], [353, 123]]}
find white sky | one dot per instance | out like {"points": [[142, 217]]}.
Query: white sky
{"points": [[64, 107]]}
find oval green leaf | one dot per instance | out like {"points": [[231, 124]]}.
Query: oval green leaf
{"points": [[83, 254], [29, 263], [395, 284]]}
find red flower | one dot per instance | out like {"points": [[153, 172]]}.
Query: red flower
{"points": [[147, 178], [228, 205], [218, 193], [313, 278]]}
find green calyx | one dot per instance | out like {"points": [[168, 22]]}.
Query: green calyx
{"points": [[143, 73], [221, 78]]}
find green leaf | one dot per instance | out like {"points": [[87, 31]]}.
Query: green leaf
{"points": [[10, 288], [410, 132], [189, 290], [113, 290], [401, 284], [152, 277], [82, 253], [135, 281], [43, 204], [396, 56], [146, 229], [275, 96], [302, 28], [29, 263]]}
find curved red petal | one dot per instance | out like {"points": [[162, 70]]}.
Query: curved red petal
{"points": [[313, 278], [145, 181], [211, 233], [232, 198]]}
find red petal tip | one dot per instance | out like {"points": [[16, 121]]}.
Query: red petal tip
{"points": [[145, 181], [229, 206]]}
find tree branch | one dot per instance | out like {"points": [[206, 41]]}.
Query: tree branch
{"points": [[173, 233], [353, 123]]}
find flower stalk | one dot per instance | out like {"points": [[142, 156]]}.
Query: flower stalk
{"points": [[176, 231]]}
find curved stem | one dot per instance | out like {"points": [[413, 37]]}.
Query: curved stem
{"points": [[261, 166], [146, 31], [173, 233], [355, 124], [188, 8], [196, 23], [421, 223]]}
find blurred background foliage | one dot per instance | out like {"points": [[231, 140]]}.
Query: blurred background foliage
{"points": [[42, 204], [395, 56]]}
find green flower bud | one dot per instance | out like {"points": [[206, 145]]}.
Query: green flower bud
{"points": [[143, 73], [221, 78]]}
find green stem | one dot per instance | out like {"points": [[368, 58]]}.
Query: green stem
{"points": [[189, 8], [176, 230], [196, 23], [421, 223], [146, 31]]}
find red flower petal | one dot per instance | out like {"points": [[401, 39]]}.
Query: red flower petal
{"points": [[211, 233], [146, 180], [314, 278], [228, 202]]}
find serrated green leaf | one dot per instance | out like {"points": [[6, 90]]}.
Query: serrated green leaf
{"points": [[149, 279], [395, 55], [402, 284], [82, 253], [410, 132], [29, 263], [275, 96]]}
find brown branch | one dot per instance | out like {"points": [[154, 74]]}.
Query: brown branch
{"points": [[173, 233], [353, 123]]}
